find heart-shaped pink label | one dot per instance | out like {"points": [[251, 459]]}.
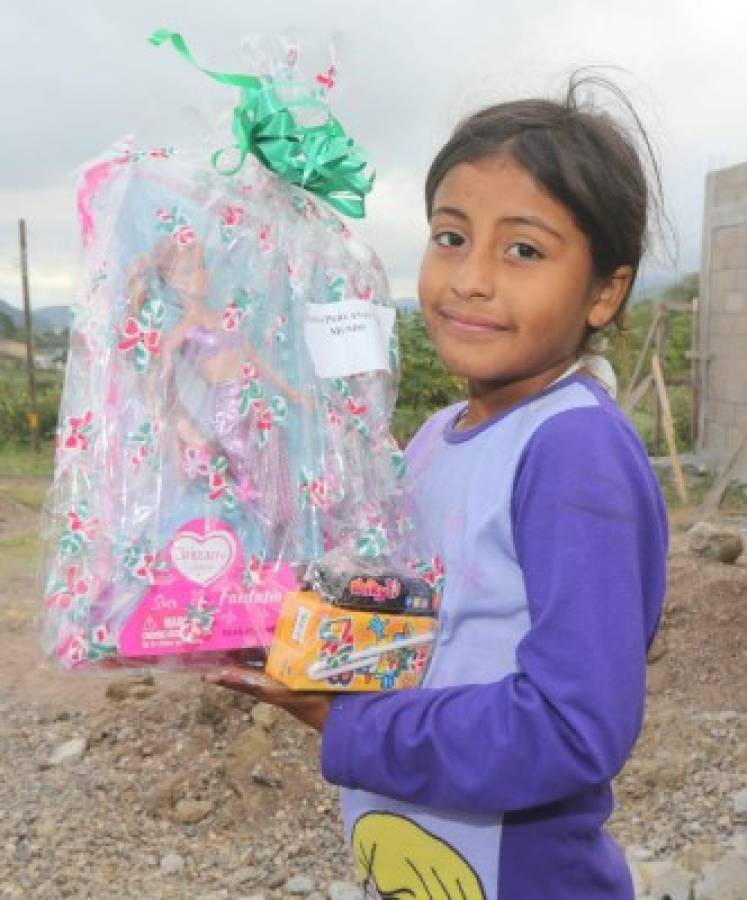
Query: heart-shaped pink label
{"points": [[203, 558], [206, 601]]}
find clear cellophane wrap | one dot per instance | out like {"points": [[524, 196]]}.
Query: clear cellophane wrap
{"points": [[225, 413]]}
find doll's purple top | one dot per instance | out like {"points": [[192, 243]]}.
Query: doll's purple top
{"points": [[201, 342], [553, 533]]}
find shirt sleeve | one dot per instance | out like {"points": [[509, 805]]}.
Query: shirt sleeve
{"points": [[590, 536]]}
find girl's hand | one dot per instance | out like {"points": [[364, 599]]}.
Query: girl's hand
{"points": [[308, 707]]}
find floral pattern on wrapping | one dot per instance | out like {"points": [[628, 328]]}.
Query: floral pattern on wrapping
{"points": [[155, 153], [363, 290], [236, 310], [142, 563], [321, 491], [278, 333], [251, 389], [174, 222], [326, 80], [335, 287], [92, 645], [268, 414], [143, 443], [371, 535], [266, 239], [80, 530], [143, 334], [70, 590], [199, 463], [218, 487], [231, 218], [75, 433], [334, 419], [432, 573], [355, 408]]}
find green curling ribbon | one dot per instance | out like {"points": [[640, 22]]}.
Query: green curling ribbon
{"points": [[320, 158]]}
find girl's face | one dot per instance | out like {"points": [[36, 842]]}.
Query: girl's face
{"points": [[506, 284]]}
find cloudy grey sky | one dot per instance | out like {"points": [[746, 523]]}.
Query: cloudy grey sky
{"points": [[76, 76]]}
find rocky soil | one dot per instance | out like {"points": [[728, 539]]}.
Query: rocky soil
{"points": [[142, 786]]}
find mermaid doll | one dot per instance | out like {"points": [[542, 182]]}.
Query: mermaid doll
{"points": [[233, 422]]}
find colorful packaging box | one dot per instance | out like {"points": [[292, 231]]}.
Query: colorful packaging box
{"points": [[322, 647]]}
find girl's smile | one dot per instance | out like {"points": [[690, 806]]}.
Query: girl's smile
{"points": [[506, 285], [464, 324]]}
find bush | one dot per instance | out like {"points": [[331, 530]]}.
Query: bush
{"points": [[14, 409], [425, 386]]}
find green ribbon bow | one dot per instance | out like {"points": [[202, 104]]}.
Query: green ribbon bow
{"points": [[320, 158]]}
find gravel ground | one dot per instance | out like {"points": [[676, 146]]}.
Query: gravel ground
{"points": [[163, 787]]}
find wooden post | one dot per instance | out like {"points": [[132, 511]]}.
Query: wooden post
{"points": [[694, 376], [668, 421], [639, 392], [33, 415], [641, 361], [658, 350]]}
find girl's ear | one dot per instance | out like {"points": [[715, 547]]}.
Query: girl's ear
{"points": [[608, 297]]}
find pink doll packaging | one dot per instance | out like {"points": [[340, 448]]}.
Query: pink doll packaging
{"points": [[225, 412]]}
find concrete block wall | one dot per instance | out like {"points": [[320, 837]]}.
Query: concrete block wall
{"points": [[722, 317]]}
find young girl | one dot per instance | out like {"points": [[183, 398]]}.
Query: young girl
{"points": [[493, 779]]}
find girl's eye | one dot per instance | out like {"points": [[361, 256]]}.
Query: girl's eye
{"points": [[448, 239], [524, 251]]}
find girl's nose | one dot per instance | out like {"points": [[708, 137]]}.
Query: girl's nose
{"points": [[474, 277]]}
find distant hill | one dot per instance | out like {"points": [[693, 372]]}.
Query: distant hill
{"points": [[50, 318]]}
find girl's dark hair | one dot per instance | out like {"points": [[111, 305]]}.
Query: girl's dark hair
{"points": [[582, 156]]}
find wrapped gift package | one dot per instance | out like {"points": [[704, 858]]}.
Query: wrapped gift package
{"points": [[228, 392]]}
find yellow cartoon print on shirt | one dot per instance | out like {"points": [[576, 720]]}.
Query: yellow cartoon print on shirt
{"points": [[398, 860]]}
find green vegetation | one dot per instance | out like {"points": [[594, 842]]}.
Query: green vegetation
{"points": [[15, 403], [625, 348], [7, 328], [424, 386]]}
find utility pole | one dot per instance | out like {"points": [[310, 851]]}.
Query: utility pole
{"points": [[33, 415]]}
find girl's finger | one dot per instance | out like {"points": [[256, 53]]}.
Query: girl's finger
{"points": [[245, 679], [261, 686]]}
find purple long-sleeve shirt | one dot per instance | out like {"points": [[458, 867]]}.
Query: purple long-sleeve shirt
{"points": [[492, 780]]}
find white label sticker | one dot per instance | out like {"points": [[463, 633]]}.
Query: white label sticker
{"points": [[348, 337]]}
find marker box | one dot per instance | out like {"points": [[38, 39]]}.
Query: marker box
{"points": [[322, 647]]}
